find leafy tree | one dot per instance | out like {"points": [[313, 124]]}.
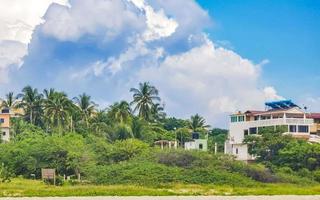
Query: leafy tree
{"points": [[120, 112], [267, 144], [172, 123], [86, 106], [10, 102], [144, 99], [197, 123], [58, 110], [157, 112], [31, 104]]}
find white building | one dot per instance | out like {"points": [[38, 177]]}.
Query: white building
{"points": [[197, 144], [282, 113]]}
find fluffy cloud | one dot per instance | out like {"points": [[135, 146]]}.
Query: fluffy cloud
{"points": [[18, 18], [112, 45], [159, 25], [11, 53], [103, 19], [270, 94], [209, 80]]}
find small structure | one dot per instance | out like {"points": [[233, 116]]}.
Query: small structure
{"points": [[196, 143], [166, 144]]}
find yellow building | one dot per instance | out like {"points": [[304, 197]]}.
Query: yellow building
{"points": [[5, 125]]}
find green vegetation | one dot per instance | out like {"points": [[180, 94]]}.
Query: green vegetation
{"points": [[29, 188], [113, 151]]}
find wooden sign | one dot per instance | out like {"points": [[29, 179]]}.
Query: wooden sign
{"points": [[49, 174]]}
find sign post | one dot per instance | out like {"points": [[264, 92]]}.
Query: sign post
{"points": [[49, 174]]}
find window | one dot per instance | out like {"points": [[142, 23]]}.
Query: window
{"points": [[200, 146], [1, 120], [246, 132], [234, 119], [293, 128], [6, 110], [241, 118], [303, 129], [253, 130], [237, 151], [256, 118], [4, 133]]}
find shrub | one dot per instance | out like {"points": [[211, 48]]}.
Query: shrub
{"points": [[316, 175], [5, 174], [176, 158]]}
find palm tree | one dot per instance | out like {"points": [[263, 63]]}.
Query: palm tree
{"points": [[157, 112], [86, 106], [143, 99], [31, 104], [49, 93], [10, 102], [197, 123], [58, 109], [120, 112]]}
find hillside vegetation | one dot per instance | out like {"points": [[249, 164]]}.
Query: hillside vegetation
{"points": [[115, 147]]}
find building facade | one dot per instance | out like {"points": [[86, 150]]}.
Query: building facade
{"points": [[5, 125], [285, 114], [196, 143]]}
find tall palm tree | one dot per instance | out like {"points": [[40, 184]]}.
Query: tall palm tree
{"points": [[58, 109], [86, 106], [120, 112], [31, 104], [197, 123], [10, 102], [144, 98]]}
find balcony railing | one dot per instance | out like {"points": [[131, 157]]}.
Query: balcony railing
{"points": [[278, 122]]}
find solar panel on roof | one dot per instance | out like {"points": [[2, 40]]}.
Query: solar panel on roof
{"points": [[285, 104]]}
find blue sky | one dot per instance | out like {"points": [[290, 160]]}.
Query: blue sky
{"points": [[285, 32], [207, 57]]}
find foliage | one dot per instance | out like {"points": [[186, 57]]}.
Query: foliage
{"points": [[5, 174], [144, 99]]}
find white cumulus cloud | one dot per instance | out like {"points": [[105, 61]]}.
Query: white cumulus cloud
{"points": [[18, 19], [99, 18], [212, 81], [270, 94]]}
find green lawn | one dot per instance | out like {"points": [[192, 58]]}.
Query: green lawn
{"points": [[27, 188]]}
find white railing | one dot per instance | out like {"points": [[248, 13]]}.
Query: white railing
{"points": [[280, 121]]}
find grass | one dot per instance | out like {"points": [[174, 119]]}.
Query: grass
{"points": [[29, 188]]}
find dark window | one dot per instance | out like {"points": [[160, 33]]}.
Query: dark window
{"points": [[195, 135], [1, 120], [246, 132], [293, 128], [200, 146], [237, 151], [3, 133], [253, 130], [5, 110], [256, 118], [303, 129]]}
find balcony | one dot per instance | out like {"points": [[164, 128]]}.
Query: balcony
{"points": [[277, 122]]}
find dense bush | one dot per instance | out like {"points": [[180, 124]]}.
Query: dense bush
{"points": [[132, 161]]}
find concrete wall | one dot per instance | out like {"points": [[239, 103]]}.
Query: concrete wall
{"points": [[5, 134], [195, 144]]}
